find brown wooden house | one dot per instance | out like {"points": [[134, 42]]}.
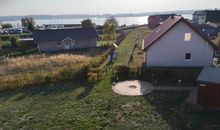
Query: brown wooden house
{"points": [[209, 88]]}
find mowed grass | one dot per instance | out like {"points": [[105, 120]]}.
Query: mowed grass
{"points": [[125, 50], [80, 105], [75, 105], [138, 54]]}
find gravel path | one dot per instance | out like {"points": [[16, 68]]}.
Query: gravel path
{"points": [[167, 88]]}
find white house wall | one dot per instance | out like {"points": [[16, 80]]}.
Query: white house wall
{"points": [[169, 51]]}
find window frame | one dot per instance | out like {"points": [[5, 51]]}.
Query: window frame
{"points": [[188, 55], [188, 37], [59, 44]]}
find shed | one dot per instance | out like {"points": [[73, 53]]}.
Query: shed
{"points": [[209, 87]]}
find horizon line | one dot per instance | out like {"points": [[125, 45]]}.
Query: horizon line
{"points": [[110, 13]]}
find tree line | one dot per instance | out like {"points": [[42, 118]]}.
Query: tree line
{"points": [[27, 22], [109, 27]]}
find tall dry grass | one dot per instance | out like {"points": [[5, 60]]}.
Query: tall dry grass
{"points": [[32, 63], [37, 69]]}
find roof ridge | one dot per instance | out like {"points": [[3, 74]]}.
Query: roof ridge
{"points": [[165, 27]]}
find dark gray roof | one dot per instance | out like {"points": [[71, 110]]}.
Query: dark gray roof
{"points": [[213, 16], [165, 16], [210, 75], [60, 34]]}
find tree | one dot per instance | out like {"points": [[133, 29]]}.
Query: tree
{"points": [[109, 29], [7, 25], [87, 23], [13, 41], [29, 23]]}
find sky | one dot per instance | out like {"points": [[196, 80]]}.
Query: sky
{"points": [[56, 7]]}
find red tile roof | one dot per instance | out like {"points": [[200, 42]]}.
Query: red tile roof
{"points": [[165, 27]]}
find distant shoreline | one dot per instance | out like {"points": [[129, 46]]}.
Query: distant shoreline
{"points": [[85, 16], [132, 20]]}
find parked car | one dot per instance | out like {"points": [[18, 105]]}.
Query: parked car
{"points": [[1, 32], [15, 31]]}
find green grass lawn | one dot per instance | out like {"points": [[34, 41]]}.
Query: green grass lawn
{"points": [[138, 55], [125, 49], [79, 105], [105, 43], [76, 105], [5, 43]]}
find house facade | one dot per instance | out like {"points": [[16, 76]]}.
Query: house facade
{"points": [[176, 43], [204, 16], [65, 39]]}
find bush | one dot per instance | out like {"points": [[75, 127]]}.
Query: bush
{"points": [[25, 45], [92, 77], [40, 69], [7, 25], [171, 76], [48, 79], [6, 38], [121, 72], [13, 41]]}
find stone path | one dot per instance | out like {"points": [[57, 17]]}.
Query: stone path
{"points": [[192, 98], [167, 88]]}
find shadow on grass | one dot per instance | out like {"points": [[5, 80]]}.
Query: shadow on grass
{"points": [[45, 90], [88, 88], [181, 116]]}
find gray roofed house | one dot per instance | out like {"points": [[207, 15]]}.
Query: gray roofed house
{"points": [[65, 39], [204, 16]]}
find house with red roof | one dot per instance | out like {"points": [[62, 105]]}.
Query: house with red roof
{"points": [[176, 43], [156, 20]]}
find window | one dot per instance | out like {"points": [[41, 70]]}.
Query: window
{"points": [[188, 56], [188, 37], [59, 44]]}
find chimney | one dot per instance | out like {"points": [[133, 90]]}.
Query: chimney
{"points": [[172, 16]]}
